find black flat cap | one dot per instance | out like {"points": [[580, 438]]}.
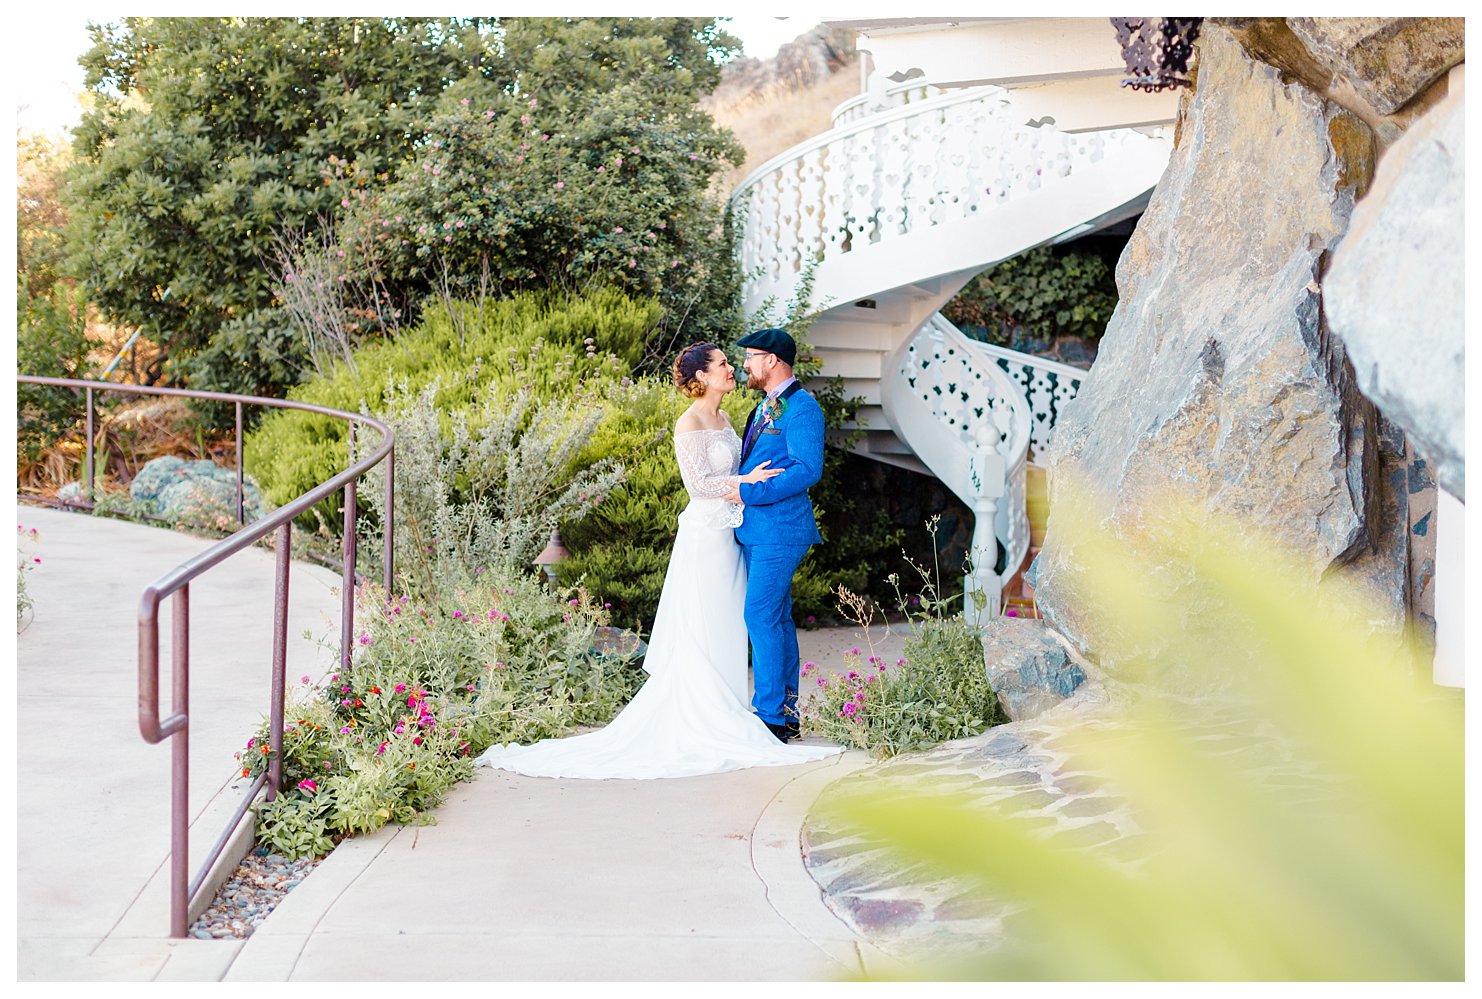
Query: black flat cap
{"points": [[773, 342]]}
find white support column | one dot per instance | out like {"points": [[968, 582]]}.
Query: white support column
{"points": [[982, 588]]}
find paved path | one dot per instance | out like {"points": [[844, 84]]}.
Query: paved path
{"points": [[520, 879], [92, 808]]}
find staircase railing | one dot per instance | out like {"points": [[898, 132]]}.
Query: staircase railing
{"points": [[946, 160], [175, 585], [1047, 386], [968, 421]]}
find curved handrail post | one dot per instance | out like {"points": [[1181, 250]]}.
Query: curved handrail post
{"points": [[389, 522], [241, 507], [279, 681], [347, 579], [180, 764], [88, 450]]}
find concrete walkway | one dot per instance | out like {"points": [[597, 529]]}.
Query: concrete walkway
{"points": [[520, 879], [93, 798]]}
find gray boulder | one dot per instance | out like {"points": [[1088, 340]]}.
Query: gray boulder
{"points": [[1217, 381], [196, 491], [1395, 291], [1028, 668]]}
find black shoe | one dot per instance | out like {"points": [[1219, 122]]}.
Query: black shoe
{"points": [[780, 731], [794, 730]]}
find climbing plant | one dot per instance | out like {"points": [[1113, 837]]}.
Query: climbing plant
{"points": [[1045, 293]]}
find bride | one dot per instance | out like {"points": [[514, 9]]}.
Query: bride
{"points": [[692, 715]]}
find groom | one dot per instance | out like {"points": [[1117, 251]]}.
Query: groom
{"points": [[777, 528]]}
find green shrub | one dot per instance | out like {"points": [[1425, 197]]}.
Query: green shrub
{"points": [[937, 691], [551, 343], [430, 687]]}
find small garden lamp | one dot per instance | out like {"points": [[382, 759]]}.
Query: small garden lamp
{"points": [[553, 552]]}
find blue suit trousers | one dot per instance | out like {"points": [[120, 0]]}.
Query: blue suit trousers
{"points": [[774, 638]]}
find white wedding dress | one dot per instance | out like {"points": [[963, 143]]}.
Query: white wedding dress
{"points": [[692, 715]]}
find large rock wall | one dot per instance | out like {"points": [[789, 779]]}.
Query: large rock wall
{"points": [[1218, 380]]}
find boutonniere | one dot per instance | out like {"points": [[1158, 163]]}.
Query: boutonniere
{"points": [[772, 410]]}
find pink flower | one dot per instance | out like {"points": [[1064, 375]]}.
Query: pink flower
{"points": [[307, 786], [416, 740], [382, 748], [560, 185], [464, 102]]}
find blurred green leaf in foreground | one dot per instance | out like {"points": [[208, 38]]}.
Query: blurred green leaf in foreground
{"points": [[1298, 777]]}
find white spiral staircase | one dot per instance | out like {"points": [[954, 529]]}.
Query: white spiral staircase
{"points": [[909, 196]]}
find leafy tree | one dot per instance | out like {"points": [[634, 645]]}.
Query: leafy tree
{"points": [[211, 134], [213, 137], [51, 315], [584, 162], [39, 215]]}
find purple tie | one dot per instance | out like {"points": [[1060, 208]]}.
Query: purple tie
{"points": [[756, 428]]}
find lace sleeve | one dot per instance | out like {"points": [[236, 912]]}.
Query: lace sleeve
{"points": [[696, 466]]}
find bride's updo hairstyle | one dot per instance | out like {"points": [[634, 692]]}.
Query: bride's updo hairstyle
{"points": [[687, 367]]}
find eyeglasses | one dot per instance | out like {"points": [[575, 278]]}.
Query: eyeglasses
{"points": [[750, 354]]}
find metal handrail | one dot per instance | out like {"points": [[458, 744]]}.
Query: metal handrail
{"points": [[176, 584]]}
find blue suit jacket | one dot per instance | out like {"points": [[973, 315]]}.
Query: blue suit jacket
{"points": [[778, 511]]}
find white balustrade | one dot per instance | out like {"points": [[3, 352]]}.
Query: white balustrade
{"points": [[872, 102], [930, 164], [1047, 386]]}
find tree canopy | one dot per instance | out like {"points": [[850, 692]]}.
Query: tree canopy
{"points": [[212, 137]]}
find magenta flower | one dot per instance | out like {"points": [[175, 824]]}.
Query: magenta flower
{"points": [[400, 687], [416, 740], [307, 786], [381, 750]]}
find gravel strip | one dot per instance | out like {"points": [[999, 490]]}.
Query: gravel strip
{"points": [[252, 891]]}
